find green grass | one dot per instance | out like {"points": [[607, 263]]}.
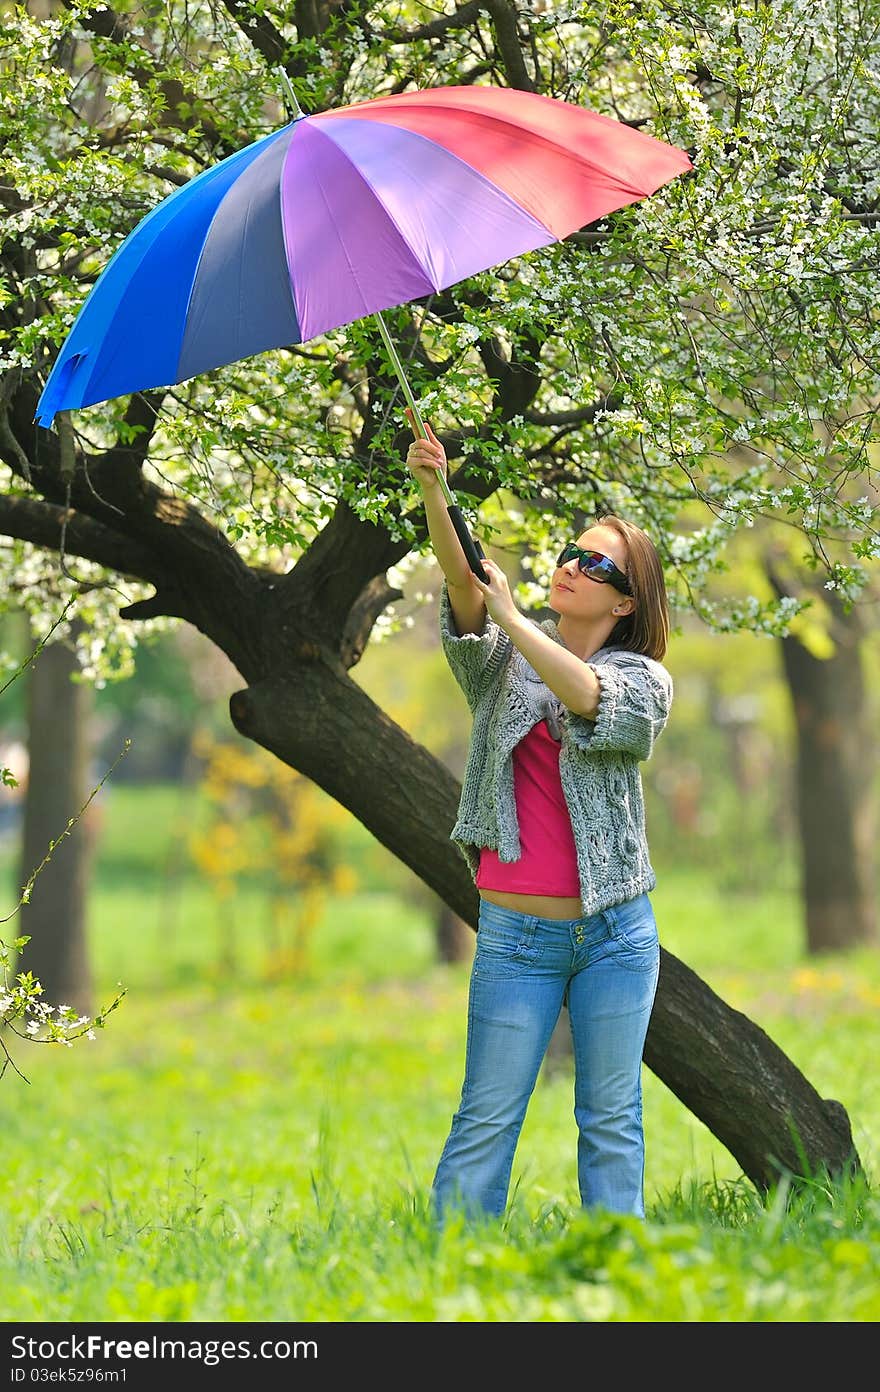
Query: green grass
{"points": [[243, 1144]]}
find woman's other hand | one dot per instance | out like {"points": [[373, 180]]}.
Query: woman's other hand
{"points": [[496, 595]]}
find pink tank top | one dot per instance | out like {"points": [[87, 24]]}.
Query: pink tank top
{"points": [[548, 859]]}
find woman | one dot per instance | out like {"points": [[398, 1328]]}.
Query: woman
{"points": [[551, 822]]}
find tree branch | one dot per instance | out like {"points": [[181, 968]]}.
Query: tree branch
{"points": [[372, 600], [504, 18], [259, 30], [459, 19], [105, 23], [41, 523]]}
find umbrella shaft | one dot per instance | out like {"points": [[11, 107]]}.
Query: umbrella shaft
{"points": [[472, 549], [410, 399]]}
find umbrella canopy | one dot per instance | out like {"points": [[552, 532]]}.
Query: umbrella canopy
{"points": [[343, 214]]}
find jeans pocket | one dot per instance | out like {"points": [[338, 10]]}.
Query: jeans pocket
{"points": [[634, 928], [505, 942]]}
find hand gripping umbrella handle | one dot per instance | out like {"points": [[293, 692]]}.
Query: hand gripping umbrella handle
{"points": [[472, 549]]}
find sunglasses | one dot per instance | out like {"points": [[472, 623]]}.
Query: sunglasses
{"points": [[595, 566]]}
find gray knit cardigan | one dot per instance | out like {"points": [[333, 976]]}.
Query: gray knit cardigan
{"points": [[598, 760]]}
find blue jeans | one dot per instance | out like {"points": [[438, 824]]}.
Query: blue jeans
{"points": [[605, 968]]}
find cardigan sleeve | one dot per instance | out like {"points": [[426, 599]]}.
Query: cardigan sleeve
{"points": [[476, 659], [635, 696]]}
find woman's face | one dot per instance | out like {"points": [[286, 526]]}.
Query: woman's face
{"points": [[575, 594]]}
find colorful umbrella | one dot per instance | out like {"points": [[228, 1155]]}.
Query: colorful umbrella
{"points": [[339, 215]]}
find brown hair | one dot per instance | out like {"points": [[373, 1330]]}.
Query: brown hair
{"points": [[646, 629]]}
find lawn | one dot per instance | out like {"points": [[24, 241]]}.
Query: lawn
{"points": [[252, 1136]]}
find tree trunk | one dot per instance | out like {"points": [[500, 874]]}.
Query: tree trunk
{"points": [[455, 939], [835, 779], [58, 712], [723, 1066]]}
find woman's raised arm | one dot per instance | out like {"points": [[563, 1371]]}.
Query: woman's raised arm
{"points": [[425, 459]]}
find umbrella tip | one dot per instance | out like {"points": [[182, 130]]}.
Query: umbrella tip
{"points": [[292, 101]]}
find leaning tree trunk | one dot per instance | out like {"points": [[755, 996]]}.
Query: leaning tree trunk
{"points": [[835, 779], [58, 711]]}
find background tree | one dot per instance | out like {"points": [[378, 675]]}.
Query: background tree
{"points": [[836, 778], [27, 1011], [59, 765], [716, 343]]}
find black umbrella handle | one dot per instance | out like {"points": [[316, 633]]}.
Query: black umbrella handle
{"points": [[472, 548]]}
